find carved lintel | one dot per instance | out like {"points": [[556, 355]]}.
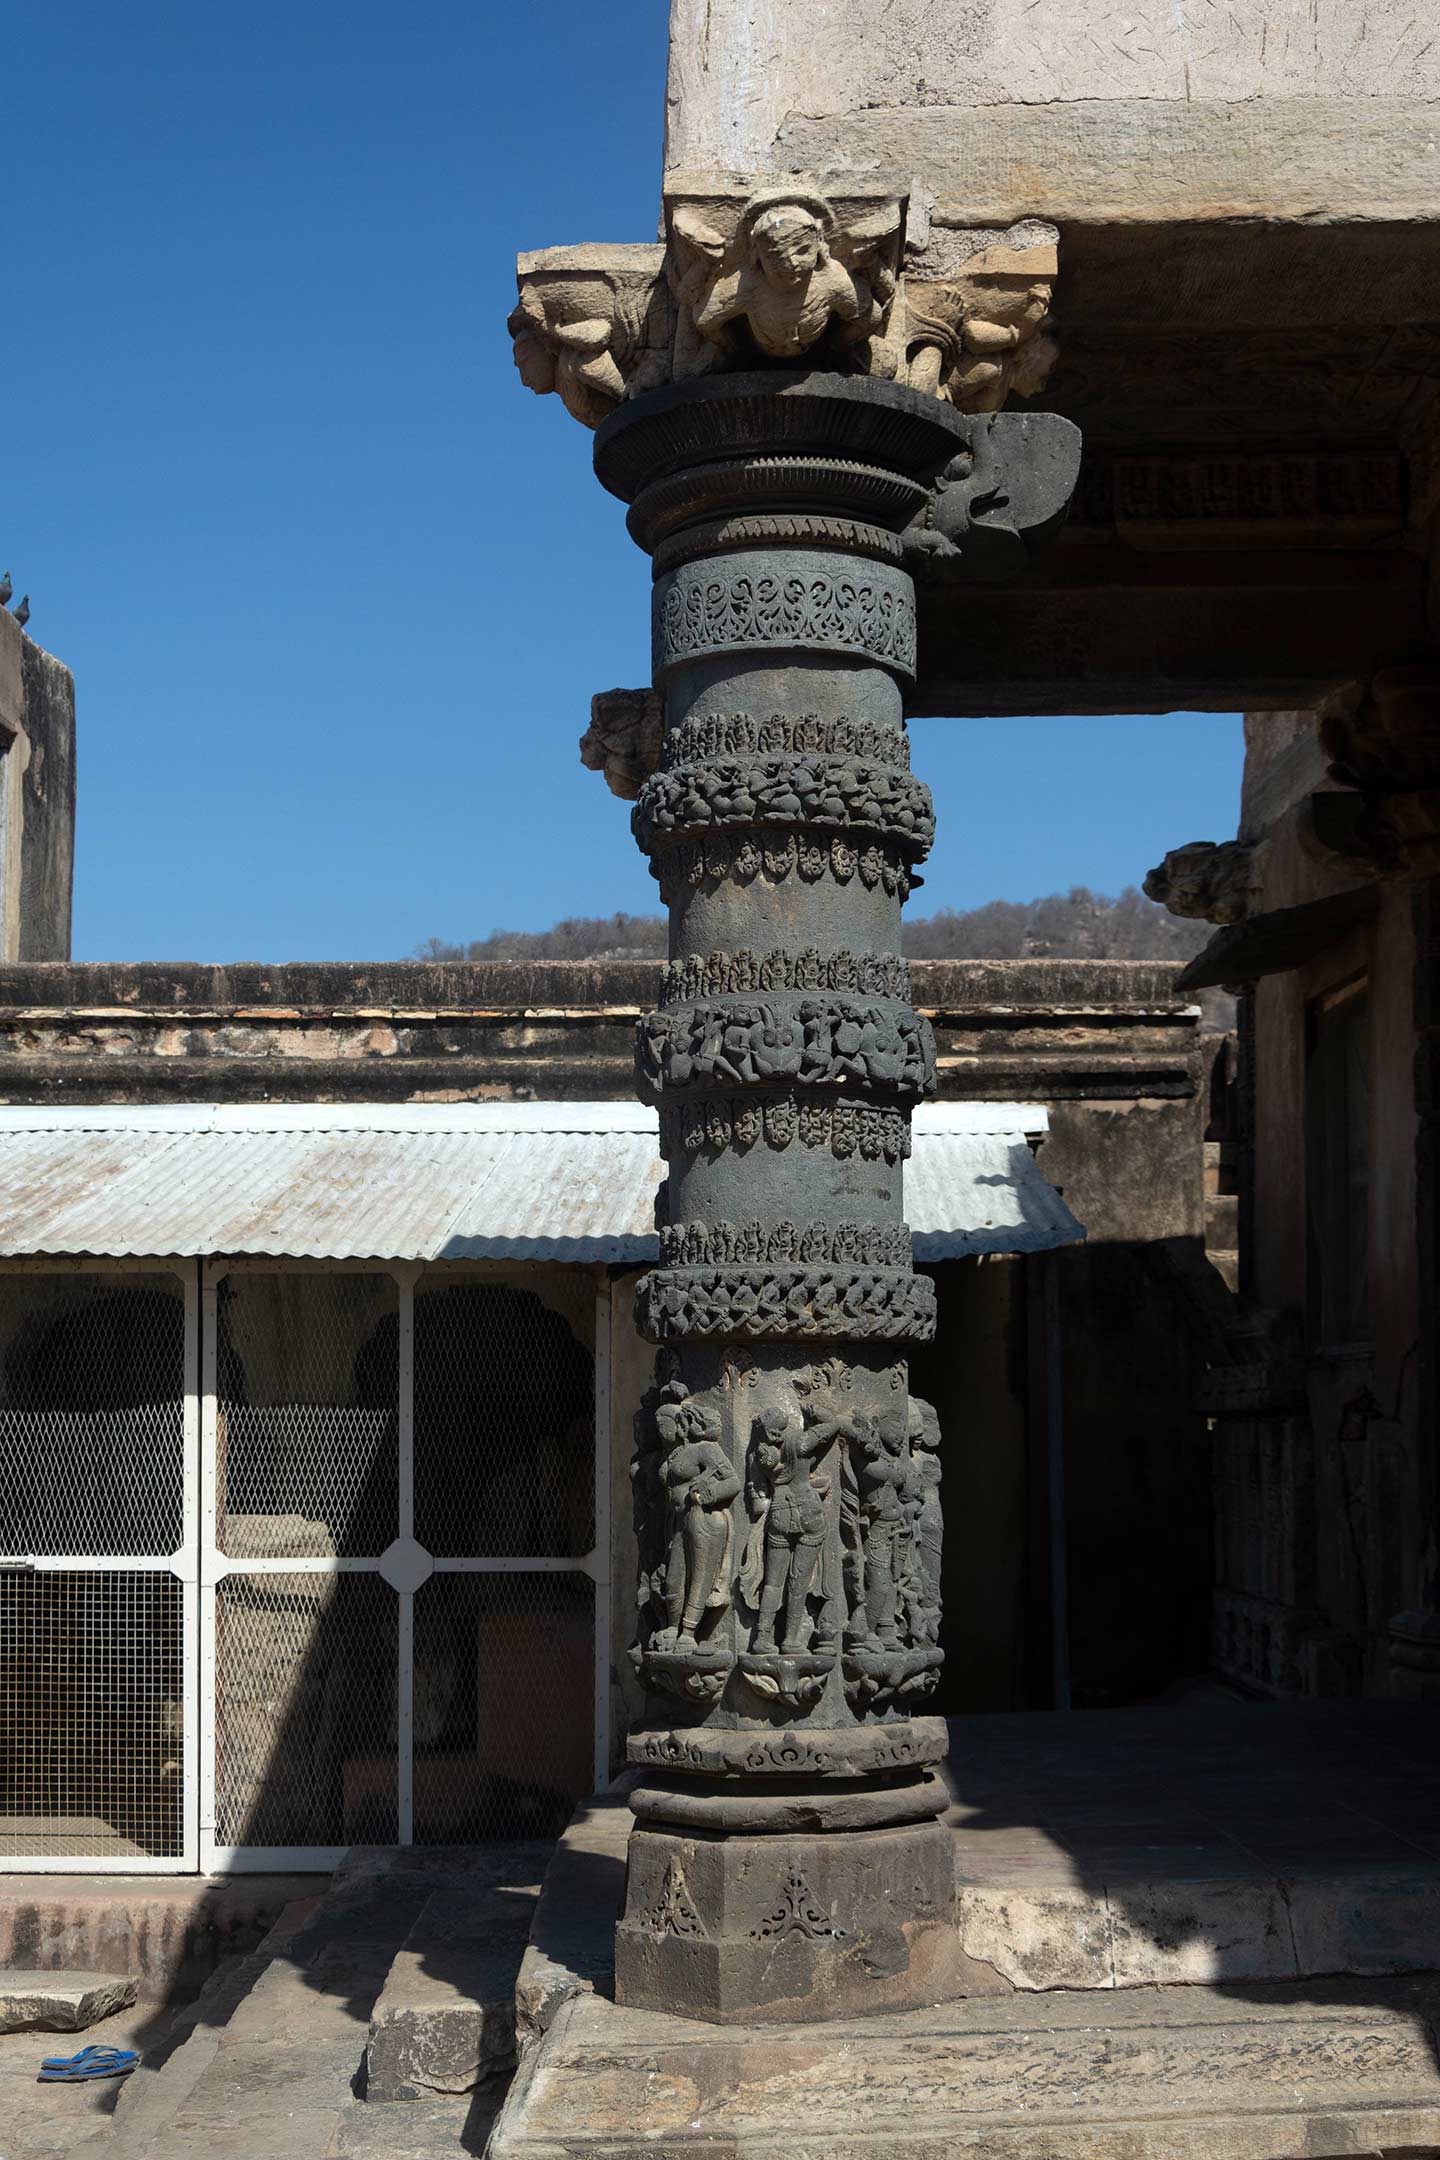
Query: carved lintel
{"points": [[623, 739], [592, 323], [1208, 880]]}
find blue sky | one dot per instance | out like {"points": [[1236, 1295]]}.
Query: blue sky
{"points": [[335, 588]]}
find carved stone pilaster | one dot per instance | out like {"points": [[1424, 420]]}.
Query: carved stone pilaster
{"points": [[786, 1482]]}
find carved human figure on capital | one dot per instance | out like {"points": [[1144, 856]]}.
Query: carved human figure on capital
{"points": [[785, 280]]}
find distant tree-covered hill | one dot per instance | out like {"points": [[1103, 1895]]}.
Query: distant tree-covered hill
{"points": [[1077, 925]]}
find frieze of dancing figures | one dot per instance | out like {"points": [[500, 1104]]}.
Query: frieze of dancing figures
{"points": [[810, 790], [810, 1042], [776, 853], [721, 974]]}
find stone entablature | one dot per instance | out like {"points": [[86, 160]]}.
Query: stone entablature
{"points": [[801, 271]]}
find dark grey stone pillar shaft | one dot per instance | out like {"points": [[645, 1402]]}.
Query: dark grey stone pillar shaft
{"points": [[785, 1858]]}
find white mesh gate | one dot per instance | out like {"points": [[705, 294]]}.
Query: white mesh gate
{"points": [[99, 1463], [294, 1557], [405, 1557]]}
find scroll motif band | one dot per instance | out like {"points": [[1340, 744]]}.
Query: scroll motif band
{"points": [[764, 601]]}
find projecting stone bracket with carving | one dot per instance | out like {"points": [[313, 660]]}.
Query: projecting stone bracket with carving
{"points": [[1209, 880], [1383, 739], [802, 271]]}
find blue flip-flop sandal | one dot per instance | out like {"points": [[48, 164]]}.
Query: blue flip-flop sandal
{"points": [[91, 2062]]}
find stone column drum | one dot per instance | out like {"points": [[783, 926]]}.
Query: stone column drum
{"points": [[786, 1860]]}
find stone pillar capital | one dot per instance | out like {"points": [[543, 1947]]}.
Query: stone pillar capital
{"points": [[808, 271]]}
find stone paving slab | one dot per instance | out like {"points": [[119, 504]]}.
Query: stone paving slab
{"points": [[1197, 1844], [1155, 2074], [61, 2001], [47, 2122]]}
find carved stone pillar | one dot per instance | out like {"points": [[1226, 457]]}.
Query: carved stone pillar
{"points": [[786, 1857], [786, 1860]]}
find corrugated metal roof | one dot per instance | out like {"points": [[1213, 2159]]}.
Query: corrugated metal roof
{"points": [[534, 1181]]}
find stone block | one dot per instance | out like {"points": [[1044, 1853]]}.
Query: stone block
{"points": [[792, 1928], [61, 2002], [1164, 1932], [1366, 1922], [1042, 1937], [445, 2020]]}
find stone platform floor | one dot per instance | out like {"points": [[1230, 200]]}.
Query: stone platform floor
{"points": [[46, 2122], [1149, 2074], [1190, 1929], [1214, 1840]]}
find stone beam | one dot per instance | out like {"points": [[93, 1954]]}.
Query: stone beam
{"points": [[1102, 631]]}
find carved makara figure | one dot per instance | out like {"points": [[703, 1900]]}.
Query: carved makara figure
{"points": [[788, 275], [699, 1483], [788, 1554]]}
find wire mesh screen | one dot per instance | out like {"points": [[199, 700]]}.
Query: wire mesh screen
{"points": [[307, 1415], [92, 1381], [504, 1705], [504, 1424], [91, 1715], [305, 1710]]}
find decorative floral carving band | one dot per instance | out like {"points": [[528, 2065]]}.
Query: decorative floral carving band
{"points": [[785, 1304], [726, 1244], [812, 790], [717, 974], [722, 735], [763, 600], [875, 1132], [913, 1744], [778, 853], [816, 1042]]}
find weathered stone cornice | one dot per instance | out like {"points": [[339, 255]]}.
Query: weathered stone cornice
{"points": [[805, 272]]}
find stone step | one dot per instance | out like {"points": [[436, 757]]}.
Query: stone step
{"points": [[272, 2058], [1189, 2073], [149, 2099], [445, 2021]]}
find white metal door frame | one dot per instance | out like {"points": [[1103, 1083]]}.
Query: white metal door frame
{"points": [[214, 1565], [182, 1563]]}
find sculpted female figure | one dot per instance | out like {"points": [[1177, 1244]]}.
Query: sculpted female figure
{"points": [[796, 1529], [699, 1486]]}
